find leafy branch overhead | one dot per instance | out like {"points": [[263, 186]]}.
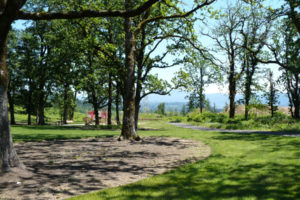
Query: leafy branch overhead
{"points": [[84, 13]]}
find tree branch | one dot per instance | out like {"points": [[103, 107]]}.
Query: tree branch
{"points": [[183, 15], [85, 13]]}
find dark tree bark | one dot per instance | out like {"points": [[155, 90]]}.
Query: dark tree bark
{"points": [[8, 156], [250, 70], [232, 91], [128, 93], [271, 96], [110, 99], [96, 110], [296, 97], [293, 93], [29, 116], [247, 100], [71, 116]]}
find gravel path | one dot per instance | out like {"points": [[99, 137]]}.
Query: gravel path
{"points": [[278, 133]]}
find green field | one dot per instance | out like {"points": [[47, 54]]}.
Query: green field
{"points": [[242, 166]]}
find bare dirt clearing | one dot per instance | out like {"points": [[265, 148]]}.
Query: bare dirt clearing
{"points": [[64, 168]]}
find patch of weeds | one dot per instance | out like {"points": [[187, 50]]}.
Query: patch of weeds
{"points": [[51, 162]]}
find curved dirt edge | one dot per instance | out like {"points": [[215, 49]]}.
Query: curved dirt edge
{"points": [[65, 168]]}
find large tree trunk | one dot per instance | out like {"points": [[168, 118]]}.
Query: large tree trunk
{"points": [[109, 105], [247, 93], [138, 97], [71, 114], [247, 106], [291, 103], [297, 97], [8, 156], [128, 128], [96, 110], [41, 109], [232, 92]]}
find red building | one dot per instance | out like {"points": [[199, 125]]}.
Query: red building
{"points": [[102, 115]]}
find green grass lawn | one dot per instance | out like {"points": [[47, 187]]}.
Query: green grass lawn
{"points": [[241, 166]]}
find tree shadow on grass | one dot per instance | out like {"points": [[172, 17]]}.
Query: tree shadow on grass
{"points": [[214, 181], [242, 136]]}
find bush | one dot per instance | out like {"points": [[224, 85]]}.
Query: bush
{"points": [[232, 121], [207, 117], [176, 119]]}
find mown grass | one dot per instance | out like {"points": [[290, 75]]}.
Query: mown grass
{"points": [[241, 166]]}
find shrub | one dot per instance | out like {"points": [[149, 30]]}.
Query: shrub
{"points": [[206, 117], [176, 119]]}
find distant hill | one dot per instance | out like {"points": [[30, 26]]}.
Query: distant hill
{"points": [[177, 99], [152, 106]]}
